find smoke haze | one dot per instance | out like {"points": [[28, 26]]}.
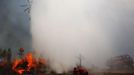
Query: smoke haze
{"points": [[96, 29], [14, 25]]}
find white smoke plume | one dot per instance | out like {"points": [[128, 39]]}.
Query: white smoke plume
{"points": [[64, 29]]}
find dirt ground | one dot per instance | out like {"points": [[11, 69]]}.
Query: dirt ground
{"points": [[108, 73]]}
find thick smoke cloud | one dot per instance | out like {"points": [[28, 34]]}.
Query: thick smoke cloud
{"points": [[96, 29], [14, 25], [118, 20]]}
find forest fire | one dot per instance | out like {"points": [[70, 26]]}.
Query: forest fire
{"points": [[26, 64], [15, 64]]}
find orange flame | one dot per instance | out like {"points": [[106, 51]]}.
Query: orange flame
{"points": [[16, 62], [29, 59], [20, 71], [31, 63]]}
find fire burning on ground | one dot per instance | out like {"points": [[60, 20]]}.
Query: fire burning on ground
{"points": [[28, 64], [23, 64], [28, 61]]}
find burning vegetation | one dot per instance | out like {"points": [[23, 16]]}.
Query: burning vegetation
{"points": [[23, 64], [28, 64]]}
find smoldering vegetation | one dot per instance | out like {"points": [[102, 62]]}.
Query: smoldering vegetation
{"points": [[14, 25]]}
